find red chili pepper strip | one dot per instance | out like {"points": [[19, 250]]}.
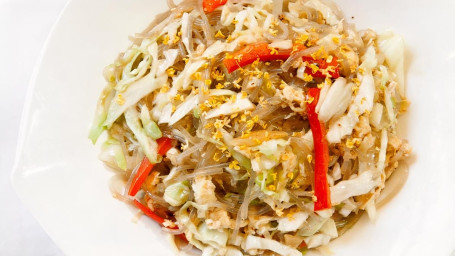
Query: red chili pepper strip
{"points": [[302, 245], [211, 5], [148, 212], [154, 216], [331, 67], [164, 144], [321, 154], [250, 53], [264, 52], [141, 174]]}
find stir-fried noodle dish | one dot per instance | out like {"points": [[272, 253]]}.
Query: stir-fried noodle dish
{"points": [[253, 127]]}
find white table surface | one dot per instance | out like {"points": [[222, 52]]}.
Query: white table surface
{"points": [[24, 28]]}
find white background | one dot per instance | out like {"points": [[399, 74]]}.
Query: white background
{"points": [[24, 27]]}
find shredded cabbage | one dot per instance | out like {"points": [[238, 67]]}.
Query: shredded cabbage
{"points": [[363, 101], [150, 127], [359, 185], [329, 228], [170, 57], [216, 238], [184, 108], [293, 222], [240, 104], [131, 74], [272, 148], [376, 115], [131, 96], [312, 225], [317, 240], [330, 16], [148, 144], [177, 194], [369, 60], [113, 153], [336, 101], [254, 242], [101, 113], [393, 48]]}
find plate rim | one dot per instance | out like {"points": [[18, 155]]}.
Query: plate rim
{"points": [[15, 173]]}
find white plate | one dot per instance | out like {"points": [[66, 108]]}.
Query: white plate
{"points": [[59, 177]]}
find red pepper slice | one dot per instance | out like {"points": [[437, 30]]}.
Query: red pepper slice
{"points": [[154, 216], [331, 67], [164, 144], [211, 5], [321, 154], [302, 246], [264, 52], [141, 174], [148, 212], [250, 53]]}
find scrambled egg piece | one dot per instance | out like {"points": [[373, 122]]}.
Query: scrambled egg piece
{"points": [[350, 56], [294, 97], [172, 155], [204, 190], [363, 127], [395, 142], [219, 219]]}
